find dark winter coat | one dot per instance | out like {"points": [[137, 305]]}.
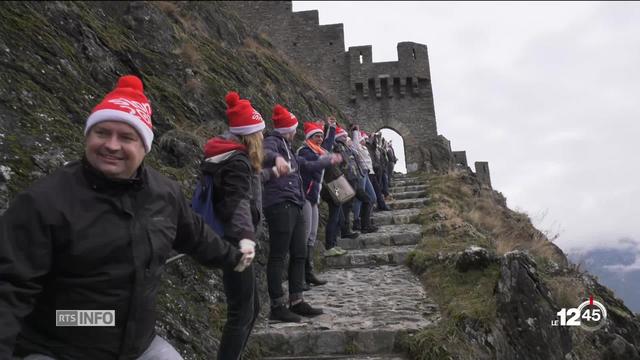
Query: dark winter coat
{"points": [[288, 187], [237, 190], [76, 240], [312, 180]]}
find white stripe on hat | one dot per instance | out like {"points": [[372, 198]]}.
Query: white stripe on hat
{"points": [[287, 129], [313, 132], [116, 115], [247, 129]]}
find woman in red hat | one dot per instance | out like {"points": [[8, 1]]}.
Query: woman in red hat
{"points": [[234, 161], [315, 145]]}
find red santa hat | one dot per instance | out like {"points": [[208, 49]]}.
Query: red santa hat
{"points": [[242, 117], [128, 104], [340, 132], [284, 122], [363, 135], [312, 128]]}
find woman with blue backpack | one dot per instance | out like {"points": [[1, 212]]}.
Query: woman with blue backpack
{"points": [[233, 169]]}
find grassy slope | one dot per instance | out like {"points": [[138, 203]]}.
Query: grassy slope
{"points": [[464, 213]]}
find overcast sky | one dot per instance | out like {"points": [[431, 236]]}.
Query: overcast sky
{"points": [[547, 92]]}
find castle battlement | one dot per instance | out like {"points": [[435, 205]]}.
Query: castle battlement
{"points": [[393, 94], [408, 76]]}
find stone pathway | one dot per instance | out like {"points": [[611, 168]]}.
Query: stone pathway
{"points": [[371, 298]]}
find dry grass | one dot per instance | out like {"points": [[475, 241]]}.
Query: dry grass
{"points": [[194, 86], [190, 54], [567, 291], [481, 207], [168, 7]]}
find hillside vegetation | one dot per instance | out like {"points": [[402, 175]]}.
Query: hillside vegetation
{"points": [[491, 308]]}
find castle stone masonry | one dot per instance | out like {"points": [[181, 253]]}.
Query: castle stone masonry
{"points": [[394, 94]]}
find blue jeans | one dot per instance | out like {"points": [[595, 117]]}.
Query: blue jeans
{"points": [[385, 184], [368, 188], [376, 186]]}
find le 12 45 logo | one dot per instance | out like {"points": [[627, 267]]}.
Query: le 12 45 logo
{"points": [[591, 315]]}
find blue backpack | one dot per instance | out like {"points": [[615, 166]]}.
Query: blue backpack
{"points": [[202, 203], [202, 200]]}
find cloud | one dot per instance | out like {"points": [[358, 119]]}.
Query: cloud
{"points": [[545, 91]]}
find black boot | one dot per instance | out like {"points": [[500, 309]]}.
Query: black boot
{"points": [[356, 224], [365, 219], [304, 309], [310, 278]]}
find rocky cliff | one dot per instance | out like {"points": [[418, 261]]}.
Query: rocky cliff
{"points": [[59, 58]]}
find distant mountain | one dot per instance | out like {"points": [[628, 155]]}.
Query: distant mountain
{"points": [[617, 267]]}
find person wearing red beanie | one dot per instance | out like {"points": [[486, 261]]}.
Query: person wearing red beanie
{"points": [[233, 162], [283, 199], [315, 145], [95, 235]]}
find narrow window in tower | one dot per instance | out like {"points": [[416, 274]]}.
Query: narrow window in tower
{"points": [[360, 57], [295, 44], [330, 43], [414, 53], [384, 87]]}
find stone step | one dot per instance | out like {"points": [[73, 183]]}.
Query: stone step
{"points": [[407, 203], [365, 310], [407, 182], [406, 178], [340, 357], [368, 257], [409, 194], [388, 235], [400, 189], [396, 217]]}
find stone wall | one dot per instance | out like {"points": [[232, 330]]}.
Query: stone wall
{"points": [[460, 157], [482, 172], [392, 94]]}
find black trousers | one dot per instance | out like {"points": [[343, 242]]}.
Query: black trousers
{"points": [[242, 310], [286, 236]]}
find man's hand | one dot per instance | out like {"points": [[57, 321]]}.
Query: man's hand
{"points": [[248, 250], [332, 121]]}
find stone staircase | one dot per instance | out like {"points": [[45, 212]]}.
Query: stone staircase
{"points": [[371, 298]]}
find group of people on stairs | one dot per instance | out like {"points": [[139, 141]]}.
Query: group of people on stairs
{"points": [[96, 233]]}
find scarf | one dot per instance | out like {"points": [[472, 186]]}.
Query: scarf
{"points": [[315, 148]]}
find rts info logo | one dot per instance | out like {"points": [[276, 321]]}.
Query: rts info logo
{"points": [[591, 315]]}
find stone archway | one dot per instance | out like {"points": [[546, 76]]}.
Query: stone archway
{"points": [[414, 149], [397, 142]]}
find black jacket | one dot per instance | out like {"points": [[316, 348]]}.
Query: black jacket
{"points": [[237, 195], [288, 187], [76, 240]]}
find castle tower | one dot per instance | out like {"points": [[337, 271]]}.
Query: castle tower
{"points": [[394, 94]]}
